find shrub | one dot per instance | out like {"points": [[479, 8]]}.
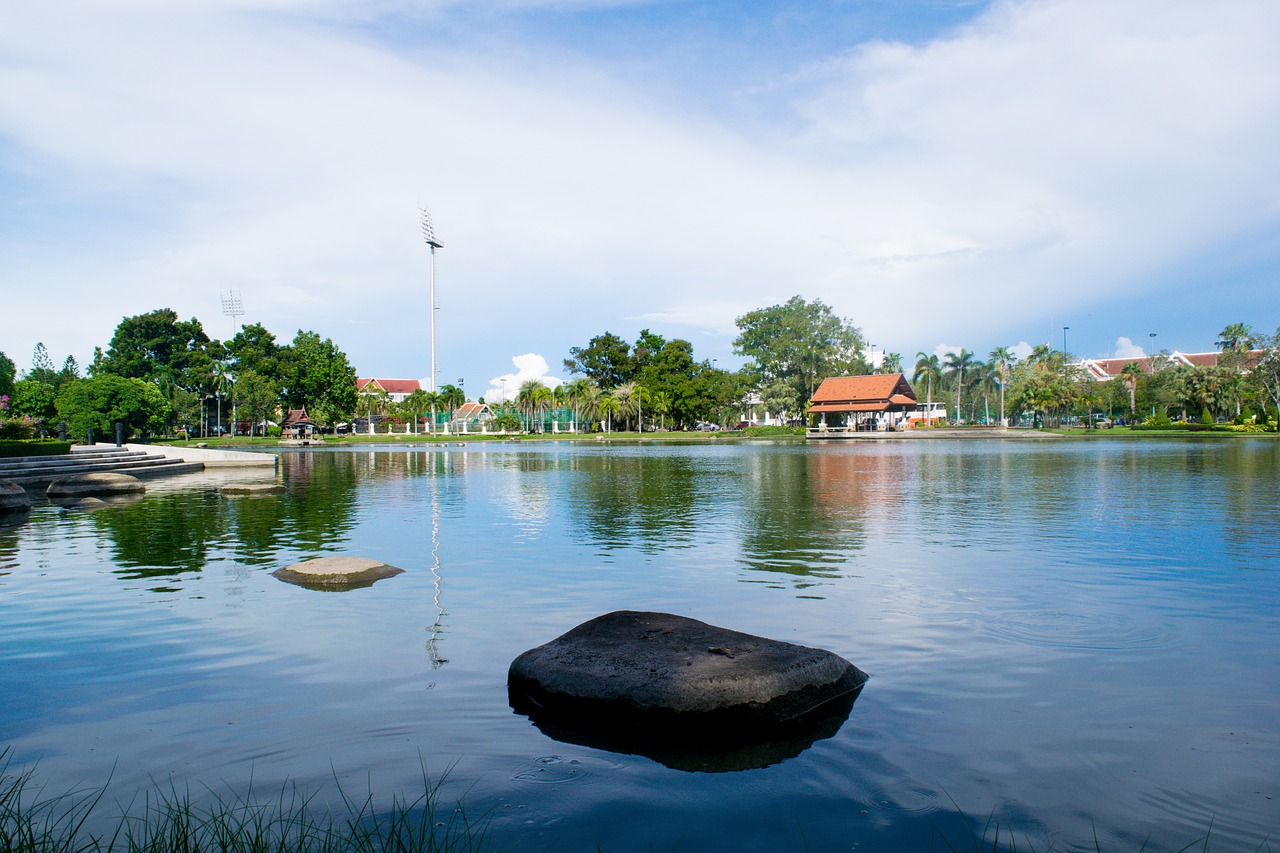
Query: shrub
{"points": [[9, 448], [273, 432], [1206, 417]]}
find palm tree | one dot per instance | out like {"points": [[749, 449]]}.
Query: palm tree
{"points": [[986, 378], [221, 379], [928, 367], [661, 402], [892, 363], [955, 365], [526, 398], [1002, 359], [608, 407], [1129, 375], [582, 392], [541, 398]]}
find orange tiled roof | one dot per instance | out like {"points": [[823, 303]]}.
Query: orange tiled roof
{"points": [[879, 388], [391, 386]]}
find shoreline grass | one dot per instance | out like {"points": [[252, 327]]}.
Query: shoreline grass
{"points": [[167, 819]]}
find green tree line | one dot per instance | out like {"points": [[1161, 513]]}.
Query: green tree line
{"points": [[160, 373]]}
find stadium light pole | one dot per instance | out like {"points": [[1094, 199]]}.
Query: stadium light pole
{"points": [[429, 235], [232, 307]]}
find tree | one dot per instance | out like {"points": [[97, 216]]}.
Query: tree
{"points": [[527, 399], [1266, 373], [8, 371], [147, 343], [928, 367], [1003, 359], [100, 402], [606, 360], [798, 343], [35, 399], [954, 366], [258, 396], [1236, 341], [608, 407], [254, 348], [42, 369], [892, 363], [318, 377], [660, 402], [1130, 374]]}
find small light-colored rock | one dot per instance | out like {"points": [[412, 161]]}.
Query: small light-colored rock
{"points": [[79, 485], [86, 504], [252, 489], [336, 572], [13, 498]]}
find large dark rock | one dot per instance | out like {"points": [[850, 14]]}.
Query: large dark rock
{"points": [[13, 498], [689, 694]]}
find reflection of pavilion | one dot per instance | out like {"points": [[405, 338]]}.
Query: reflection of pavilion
{"points": [[850, 404]]}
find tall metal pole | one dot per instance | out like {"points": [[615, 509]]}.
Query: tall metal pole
{"points": [[429, 235], [1065, 329]]}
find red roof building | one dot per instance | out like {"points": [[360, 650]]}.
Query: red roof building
{"points": [[851, 403], [396, 389]]}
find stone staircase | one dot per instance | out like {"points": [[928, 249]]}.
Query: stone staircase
{"points": [[35, 471]]}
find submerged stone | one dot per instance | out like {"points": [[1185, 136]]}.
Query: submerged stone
{"points": [[660, 684], [251, 489], [79, 485], [336, 573], [13, 498]]}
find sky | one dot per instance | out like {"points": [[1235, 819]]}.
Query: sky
{"points": [[942, 173]]}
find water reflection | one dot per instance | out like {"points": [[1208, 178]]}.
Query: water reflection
{"points": [[162, 534], [648, 499], [805, 512], [701, 751]]}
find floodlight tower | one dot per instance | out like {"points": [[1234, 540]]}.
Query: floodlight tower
{"points": [[234, 308], [429, 235]]}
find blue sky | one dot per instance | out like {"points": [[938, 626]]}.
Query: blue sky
{"points": [[944, 174]]}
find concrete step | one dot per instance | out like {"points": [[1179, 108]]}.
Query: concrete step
{"points": [[36, 471]]}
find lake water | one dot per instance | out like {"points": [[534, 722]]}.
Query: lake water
{"points": [[1063, 637]]}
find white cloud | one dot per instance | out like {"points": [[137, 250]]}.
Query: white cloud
{"points": [[1042, 159], [529, 366], [1126, 348]]}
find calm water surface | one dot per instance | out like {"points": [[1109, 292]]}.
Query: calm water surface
{"points": [[1062, 637]]}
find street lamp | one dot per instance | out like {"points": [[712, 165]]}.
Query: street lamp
{"points": [[1151, 354]]}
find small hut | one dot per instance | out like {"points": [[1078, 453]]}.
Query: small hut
{"points": [[849, 404], [297, 424]]}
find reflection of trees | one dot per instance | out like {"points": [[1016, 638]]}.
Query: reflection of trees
{"points": [[162, 534], [649, 501], [9, 525], [806, 510]]}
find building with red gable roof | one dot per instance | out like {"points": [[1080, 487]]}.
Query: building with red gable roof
{"points": [[397, 390], [846, 404]]}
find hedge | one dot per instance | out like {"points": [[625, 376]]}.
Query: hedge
{"points": [[12, 447]]}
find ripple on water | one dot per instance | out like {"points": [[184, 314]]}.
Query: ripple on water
{"points": [[1088, 630], [551, 770]]}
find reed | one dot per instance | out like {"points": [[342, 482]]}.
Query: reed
{"points": [[168, 819]]}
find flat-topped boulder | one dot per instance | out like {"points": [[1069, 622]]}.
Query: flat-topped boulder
{"points": [[81, 485], [13, 498], [650, 682], [251, 489], [336, 573]]}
